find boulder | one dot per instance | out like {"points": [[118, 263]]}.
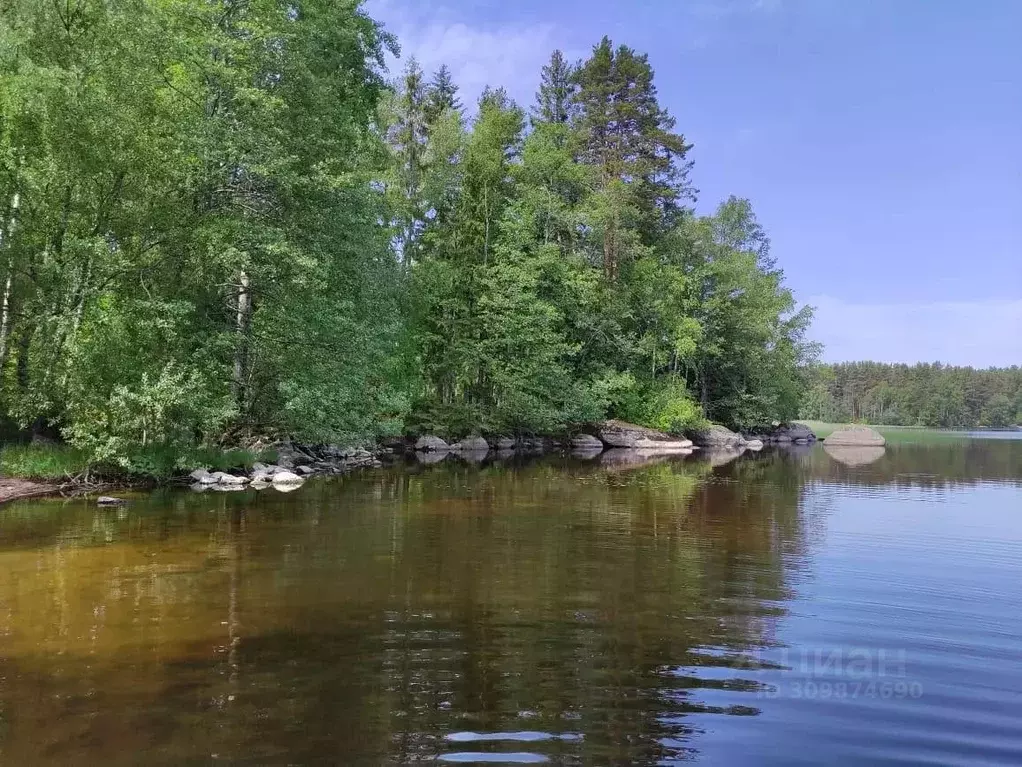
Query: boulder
{"points": [[305, 470], [856, 436], [106, 500], [223, 478], [718, 438], [287, 478], [754, 444], [504, 443], [431, 444], [472, 445], [784, 433], [628, 435], [258, 484], [202, 477], [586, 442]]}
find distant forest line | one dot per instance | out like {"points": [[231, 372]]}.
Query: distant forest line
{"points": [[934, 395]]}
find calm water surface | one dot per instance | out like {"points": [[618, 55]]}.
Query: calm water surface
{"points": [[798, 607]]}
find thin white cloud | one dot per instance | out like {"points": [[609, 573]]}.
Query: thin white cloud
{"points": [[508, 55], [976, 333]]}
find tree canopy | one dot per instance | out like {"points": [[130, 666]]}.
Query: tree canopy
{"points": [[220, 218]]}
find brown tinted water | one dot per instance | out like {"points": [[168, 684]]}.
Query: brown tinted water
{"points": [[778, 609]]}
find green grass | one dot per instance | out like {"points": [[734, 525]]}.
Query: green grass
{"points": [[895, 435], [62, 462], [48, 462]]}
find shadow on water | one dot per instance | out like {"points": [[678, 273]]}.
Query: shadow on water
{"points": [[571, 610]]}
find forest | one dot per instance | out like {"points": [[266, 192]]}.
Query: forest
{"points": [[934, 395], [221, 219]]}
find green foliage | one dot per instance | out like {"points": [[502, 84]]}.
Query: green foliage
{"points": [[218, 218], [664, 404]]}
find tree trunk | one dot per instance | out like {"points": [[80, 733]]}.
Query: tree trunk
{"points": [[5, 302], [243, 325]]}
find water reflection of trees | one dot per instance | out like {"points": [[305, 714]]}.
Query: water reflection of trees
{"points": [[364, 620]]}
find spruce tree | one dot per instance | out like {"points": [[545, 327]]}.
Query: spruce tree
{"points": [[442, 94], [555, 100]]}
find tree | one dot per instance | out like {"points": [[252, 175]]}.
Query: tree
{"points": [[639, 166], [442, 95], [555, 100]]}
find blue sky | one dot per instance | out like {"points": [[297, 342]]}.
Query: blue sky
{"points": [[880, 142]]}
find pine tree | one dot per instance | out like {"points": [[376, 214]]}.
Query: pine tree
{"points": [[628, 140]]}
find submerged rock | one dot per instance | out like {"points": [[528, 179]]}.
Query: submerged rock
{"points": [[431, 444], [856, 436]]}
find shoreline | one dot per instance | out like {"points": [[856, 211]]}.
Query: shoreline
{"points": [[15, 489], [300, 461]]}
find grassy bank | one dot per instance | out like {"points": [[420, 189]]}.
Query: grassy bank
{"points": [[62, 463], [895, 435]]}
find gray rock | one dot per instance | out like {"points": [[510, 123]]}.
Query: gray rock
{"points": [[754, 444], [626, 435], [287, 478], [198, 475], [431, 444], [305, 470], [106, 500], [586, 442], [719, 438], [856, 436], [472, 445], [259, 484], [223, 478], [504, 443], [798, 433], [259, 467]]}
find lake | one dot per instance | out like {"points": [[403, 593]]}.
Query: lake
{"points": [[791, 607]]}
